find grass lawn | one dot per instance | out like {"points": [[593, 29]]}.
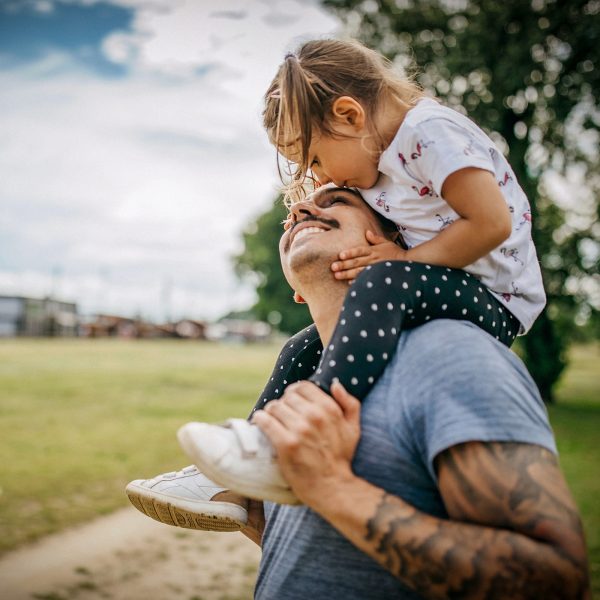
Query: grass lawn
{"points": [[80, 418]]}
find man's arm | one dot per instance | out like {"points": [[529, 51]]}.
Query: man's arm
{"points": [[514, 530]]}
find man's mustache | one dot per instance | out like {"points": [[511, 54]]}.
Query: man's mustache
{"points": [[333, 223]]}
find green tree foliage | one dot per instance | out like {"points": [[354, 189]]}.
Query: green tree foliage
{"points": [[260, 262], [527, 72]]}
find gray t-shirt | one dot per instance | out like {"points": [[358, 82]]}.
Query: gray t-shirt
{"points": [[448, 383]]}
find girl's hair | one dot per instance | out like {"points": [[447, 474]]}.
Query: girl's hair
{"points": [[299, 100]]}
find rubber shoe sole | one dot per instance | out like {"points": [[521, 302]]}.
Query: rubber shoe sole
{"points": [[216, 516]]}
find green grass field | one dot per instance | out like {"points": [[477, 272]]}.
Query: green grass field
{"points": [[80, 418]]}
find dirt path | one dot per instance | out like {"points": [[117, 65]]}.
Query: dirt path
{"points": [[127, 556]]}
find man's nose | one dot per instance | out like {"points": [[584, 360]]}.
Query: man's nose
{"points": [[303, 209]]}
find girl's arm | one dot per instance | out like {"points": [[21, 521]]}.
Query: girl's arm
{"points": [[484, 224]]}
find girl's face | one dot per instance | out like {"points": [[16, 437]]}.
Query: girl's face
{"points": [[344, 158]]}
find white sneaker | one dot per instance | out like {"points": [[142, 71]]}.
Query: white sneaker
{"points": [[239, 456], [184, 499]]}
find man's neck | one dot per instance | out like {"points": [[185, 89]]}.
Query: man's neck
{"points": [[325, 304]]}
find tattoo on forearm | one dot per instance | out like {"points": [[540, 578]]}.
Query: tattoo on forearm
{"points": [[514, 530]]}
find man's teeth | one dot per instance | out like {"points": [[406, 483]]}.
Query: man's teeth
{"points": [[308, 230]]}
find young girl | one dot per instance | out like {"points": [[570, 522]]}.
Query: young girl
{"points": [[341, 114]]}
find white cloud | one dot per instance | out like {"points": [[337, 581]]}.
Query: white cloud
{"points": [[123, 184]]}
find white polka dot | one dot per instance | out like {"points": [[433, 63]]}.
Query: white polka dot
{"points": [[510, 333], [489, 307], [343, 322], [357, 313], [353, 293], [385, 356], [369, 358], [423, 277], [464, 311], [318, 352], [370, 380], [299, 364], [410, 311], [331, 347], [407, 268], [350, 358], [281, 367], [436, 290], [500, 310], [293, 358], [374, 307], [447, 269], [494, 324], [475, 299], [277, 391], [503, 323], [368, 268], [332, 363], [345, 339], [381, 332], [363, 334], [388, 280], [427, 318], [390, 306], [335, 380], [314, 368], [354, 381], [464, 282], [444, 306], [480, 290], [480, 319], [428, 267], [458, 292], [418, 293], [403, 306], [319, 371], [306, 341], [271, 379], [291, 345], [424, 305], [394, 331], [388, 264], [444, 277], [405, 285], [369, 284]]}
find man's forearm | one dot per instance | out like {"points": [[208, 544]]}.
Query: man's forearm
{"points": [[446, 559]]}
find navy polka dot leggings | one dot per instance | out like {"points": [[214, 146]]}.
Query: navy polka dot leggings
{"points": [[386, 298]]}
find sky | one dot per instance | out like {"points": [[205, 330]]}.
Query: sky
{"points": [[132, 154]]}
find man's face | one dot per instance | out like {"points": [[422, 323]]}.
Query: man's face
{"points": [[328, 221]]}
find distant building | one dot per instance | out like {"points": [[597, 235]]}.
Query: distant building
{"points": [[21, 316], [239, 330]]}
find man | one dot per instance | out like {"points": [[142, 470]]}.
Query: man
{"points": [[453, 490], [442, 484]]}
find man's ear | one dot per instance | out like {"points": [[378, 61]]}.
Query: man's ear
{"points": [[298, 299], [349, 111]]}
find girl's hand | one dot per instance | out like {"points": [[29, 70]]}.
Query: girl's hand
{"points": [[353, 261]]}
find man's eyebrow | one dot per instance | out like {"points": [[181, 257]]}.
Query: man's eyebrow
{"points": [[337, 190]]}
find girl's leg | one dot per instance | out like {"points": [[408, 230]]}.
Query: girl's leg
{"points": [[297, 360], [390, 296]]}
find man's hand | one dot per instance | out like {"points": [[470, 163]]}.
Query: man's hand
{"points": [[353, 261], [315, 438]]}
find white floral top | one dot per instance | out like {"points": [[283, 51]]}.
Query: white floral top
{"points": [[433, 142]]}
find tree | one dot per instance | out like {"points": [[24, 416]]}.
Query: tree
{"points": [[260, 261]]}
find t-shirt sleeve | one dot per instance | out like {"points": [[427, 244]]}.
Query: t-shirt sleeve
{"points": [[479, 391], [438, 147]]}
